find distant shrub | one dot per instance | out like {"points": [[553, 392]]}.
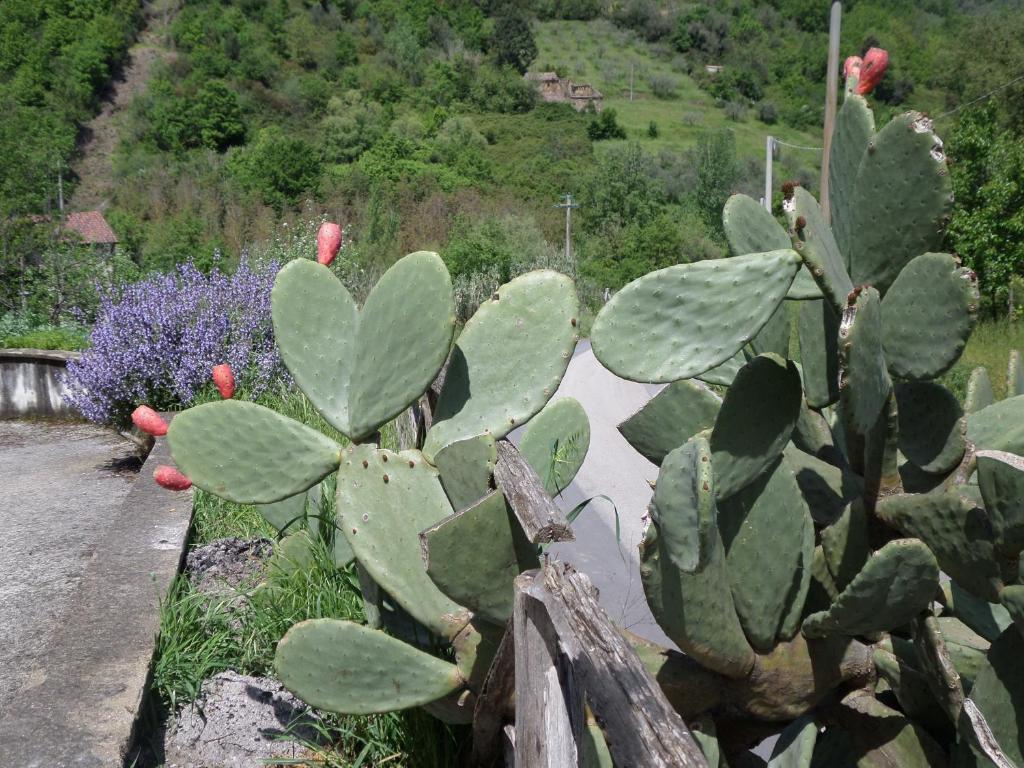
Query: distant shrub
{"points": [[735, 111], [279, 167], [605, 126], [662, 86], [652, 130], [767, 113], [502, 90], [156, 340]]}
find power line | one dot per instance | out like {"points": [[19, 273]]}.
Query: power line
{"points": [[796, 146], [982, 98]]}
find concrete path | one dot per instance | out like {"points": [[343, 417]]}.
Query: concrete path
{"points": [[612, 468], [62, 484], [89, 547]]}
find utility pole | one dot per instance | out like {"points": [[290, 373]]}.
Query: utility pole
{"points": [[769, 153], [831, 96], [60, 190], [568, 204], [631, 81]]}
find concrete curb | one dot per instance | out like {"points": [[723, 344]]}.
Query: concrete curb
{"points": [[83, 711]]}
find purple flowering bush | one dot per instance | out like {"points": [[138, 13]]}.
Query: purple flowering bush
{"points": [[155, 341]]}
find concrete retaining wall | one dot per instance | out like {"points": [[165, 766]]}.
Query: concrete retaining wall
{"points": [[30, 383]]}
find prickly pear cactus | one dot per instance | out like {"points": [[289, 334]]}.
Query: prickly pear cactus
{"points": [[426, 528], [801, 523]]}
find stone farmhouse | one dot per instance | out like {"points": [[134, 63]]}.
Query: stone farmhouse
{"points": [[561, 90]]}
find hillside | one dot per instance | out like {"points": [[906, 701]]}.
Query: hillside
{"points": [[409, 120]]}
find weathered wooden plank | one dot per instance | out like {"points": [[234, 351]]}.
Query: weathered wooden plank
{"points": [[643, 729], [540, 517], [494, 705], [550, 712]]}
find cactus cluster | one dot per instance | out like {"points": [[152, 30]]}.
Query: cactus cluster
{"points": [[427, 528], [802, 523]]}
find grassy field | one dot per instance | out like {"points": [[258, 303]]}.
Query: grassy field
{"points": [[197, 639], [599, 53], [990, 346]]}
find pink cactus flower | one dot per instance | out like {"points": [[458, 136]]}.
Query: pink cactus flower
{"points": [[171, 479], [149, 421], [328, 241], [875, 62], [852, 66], [225, 380]]}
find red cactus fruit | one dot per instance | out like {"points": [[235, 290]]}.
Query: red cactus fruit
{"points": [[875, 62], [328, 241], [171, 479], [149, 421], [225, 380], [852, 66]]}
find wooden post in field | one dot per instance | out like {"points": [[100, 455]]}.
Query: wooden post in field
{"points": [[831, 96], [769, 156]]}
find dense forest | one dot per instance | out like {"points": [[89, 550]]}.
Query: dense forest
{"points": [[410, 122]]}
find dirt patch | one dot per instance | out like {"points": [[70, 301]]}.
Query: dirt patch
{"points": [[237, 722], [228, 568]]}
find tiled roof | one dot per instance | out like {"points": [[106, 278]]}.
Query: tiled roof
{"points": [[92, 227]]}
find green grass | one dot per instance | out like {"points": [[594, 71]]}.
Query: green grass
{"points": [[48, 338], [601, 54], [990, 346], [197, 640]]}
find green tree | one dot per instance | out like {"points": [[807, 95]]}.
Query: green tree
{"points": [[217, 116], [987, 229], [512, 42], [605, 126], [620, 191], [280, 168], [717, 173]]}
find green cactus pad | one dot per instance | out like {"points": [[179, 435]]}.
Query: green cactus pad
{"points": [[724, 374], [999, 427], [556, 442], [1001, 479], [684, 502], [979, 391], [931, 426], [316, 324], [1014, 375], [286, 514], [927, 315], [763, 528], [751, 228], [696, 610], [508, 360], [680, 410], [774, 337], [343, 667], [896, 583], [912, 691], [956, 530], [845, 544], [475, 555], [816, 245], [883, 737], [826, 487], [855, 127], [595, 748], [384, 500], [864, 382], [475, 648], [967, 649], [292, 553], [466, 467], [744, 447], [681, 321], [1012, 598], [818, 330], [360, 369], [405, 334], [998, 692], [800, 588], [987, 619], [249, 454], [901, 201], [795, 745]]}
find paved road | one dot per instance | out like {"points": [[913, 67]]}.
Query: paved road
{"points": [[61, 485], [614, 469]]}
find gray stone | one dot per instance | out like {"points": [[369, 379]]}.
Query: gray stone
{"points": [[237, 722], [31, 383]]}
